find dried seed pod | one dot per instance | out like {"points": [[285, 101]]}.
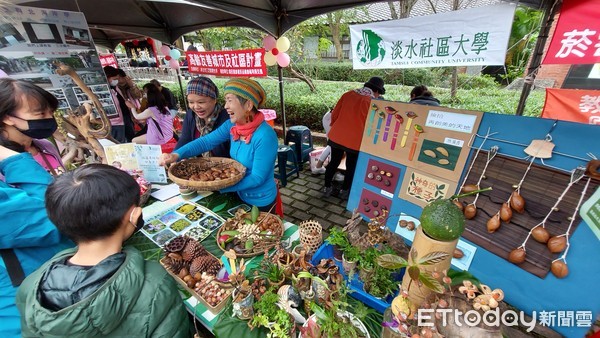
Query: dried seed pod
{"points": [[506, 212], [559, 269], [557, 244], [540, 234], [443, 161], [493, 223], [429, 153], [183, 272], [403, 223], [517, 256], [442, 151], [517, 202], [470, 211], [458, 253], [469, 188], [458, 204], [410, 225]]}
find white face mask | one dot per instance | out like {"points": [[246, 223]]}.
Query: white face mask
{"points": [[114, 83]]}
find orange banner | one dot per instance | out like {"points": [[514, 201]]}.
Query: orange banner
{"points": [[572, 105]]}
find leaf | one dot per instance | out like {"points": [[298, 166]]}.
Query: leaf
{"points": [[433, 257], [412, 177], [441, 187], [219, 207], [392, 262], [431, 283], [459, 276], [254, 214], [413, 255], [414, 272]]}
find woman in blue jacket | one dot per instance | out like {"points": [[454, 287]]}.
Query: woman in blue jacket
{"points": [[253, 143], [27, 237]]}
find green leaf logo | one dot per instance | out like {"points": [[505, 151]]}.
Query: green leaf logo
{"points": [[371, 49]]}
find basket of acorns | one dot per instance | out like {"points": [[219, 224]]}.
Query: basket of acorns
{"points": [[249, 234], [196, 269], [207, 173]]}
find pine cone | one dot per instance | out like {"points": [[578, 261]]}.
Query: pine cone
{"points": [[191, 250], [176, 244], [199, 264], [214, 267], [174, 265]]}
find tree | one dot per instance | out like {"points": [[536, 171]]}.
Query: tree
{"points": [[338, 25], [525, 29]]}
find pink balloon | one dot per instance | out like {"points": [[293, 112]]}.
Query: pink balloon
{"points": [[173, 63], [269, 42], [283, 59], [165, 50]]}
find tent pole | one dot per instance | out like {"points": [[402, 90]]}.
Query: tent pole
{"points": [[181, 89], [549, 13], [281, 100]]}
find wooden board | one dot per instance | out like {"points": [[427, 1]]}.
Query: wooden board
{"points": [[541, 189]]}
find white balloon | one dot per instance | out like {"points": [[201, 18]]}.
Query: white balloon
{"points": [[283, 44], [270, 59]]}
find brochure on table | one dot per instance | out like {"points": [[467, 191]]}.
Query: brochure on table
{"points": [[133, 156]]}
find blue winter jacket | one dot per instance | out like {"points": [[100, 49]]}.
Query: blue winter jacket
{"points": [[258, 186], [25, 228]]}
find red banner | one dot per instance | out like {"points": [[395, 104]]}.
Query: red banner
{"points": [[231, 63], [108, 60], [572, 105], [576, 39]]}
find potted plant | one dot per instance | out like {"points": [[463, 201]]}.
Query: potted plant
{"points": [[350, 258], [271, 272], [268, 314], [381, 283], [339, 240], [366, 263]]}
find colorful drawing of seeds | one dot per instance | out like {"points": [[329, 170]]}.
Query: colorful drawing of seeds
{"points": [[186, 208], [180, 224], [195, 215], [210, 222], [198, 233], [439, 154], [163, 237], [233, 210], [154, 226], [169, 217]]}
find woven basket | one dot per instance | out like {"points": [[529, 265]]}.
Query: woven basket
{"points": [[206, 163], [311, 235], [258, 248]]}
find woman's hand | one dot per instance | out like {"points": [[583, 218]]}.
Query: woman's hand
{"points": [[130, 104], [166, 159]]}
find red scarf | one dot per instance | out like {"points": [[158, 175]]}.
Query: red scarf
{"points": [[247, 129]]}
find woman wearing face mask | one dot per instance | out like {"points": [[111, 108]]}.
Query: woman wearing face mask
{"points": [[253, 143], [157, 117], [204, 115], [26, 120]]}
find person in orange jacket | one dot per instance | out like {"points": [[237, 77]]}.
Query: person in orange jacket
{"points": [[347, 125]]}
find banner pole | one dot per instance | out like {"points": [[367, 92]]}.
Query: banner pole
{"points": [[181, 89]]}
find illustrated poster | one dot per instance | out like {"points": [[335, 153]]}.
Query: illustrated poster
{"points": [[421, 188], [133, 156]]}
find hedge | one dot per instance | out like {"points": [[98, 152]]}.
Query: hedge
{"points": [[306, 108]]}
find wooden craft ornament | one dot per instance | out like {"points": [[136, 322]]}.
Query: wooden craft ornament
{"points": [[540, 149]]}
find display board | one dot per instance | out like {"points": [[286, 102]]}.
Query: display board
{"points": [[33, 41]]}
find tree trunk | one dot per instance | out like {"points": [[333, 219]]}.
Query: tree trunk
{"points": [[335, 34], [393, 12], [405, 7], [454, 84], [297, 74]]}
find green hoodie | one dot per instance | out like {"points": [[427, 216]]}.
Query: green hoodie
{"points": [[139, 300]]}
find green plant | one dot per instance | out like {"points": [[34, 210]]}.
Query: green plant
{"points": [[269, 315], [414, 267], [351, 253], [332, 324], [270, 271], [381, 283], [338, 237], [368, 258]]}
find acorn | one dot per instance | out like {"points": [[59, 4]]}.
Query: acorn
{"points": [[517, 256], [559, 269], [410, 225], [493, 223], [469, 188], [458, 253], [506, 212], [470, 211], [458, 204], [557, 244], [540, 234], [517, 202]]}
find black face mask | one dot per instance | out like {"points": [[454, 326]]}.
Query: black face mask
{"points": [[39, 129], [139, 224]]}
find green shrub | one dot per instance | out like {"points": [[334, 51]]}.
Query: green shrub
{"points": [[466, 81]]}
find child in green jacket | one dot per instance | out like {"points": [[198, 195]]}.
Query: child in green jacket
{"points": [[99, 288]]}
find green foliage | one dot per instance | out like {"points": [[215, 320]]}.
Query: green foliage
{"points": [[381, 283], [267, 304], [338, 237], [413, 267], [351, 253], [269, 315], [466, 81], [331, 324], [368, 258], [270, 271]]}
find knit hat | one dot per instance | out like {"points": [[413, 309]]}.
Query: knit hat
{"points": [[376, 83], [202, 86], [247, 89]]}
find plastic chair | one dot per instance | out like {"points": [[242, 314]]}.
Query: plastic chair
{"points": [[287, 164], [301, 138]]}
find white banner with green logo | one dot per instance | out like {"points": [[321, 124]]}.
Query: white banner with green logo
{"points": [[470, 37]]}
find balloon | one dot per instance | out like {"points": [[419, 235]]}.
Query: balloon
{"points": [[3, 74], [175, 53], [173, 63], [283, 44], [136, 42], [283, 59], [270, 59], [168, 58], [275, 51], [164, 50], [269, 42]]}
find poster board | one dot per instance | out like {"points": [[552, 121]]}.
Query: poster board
{"points": [[34, 40]]}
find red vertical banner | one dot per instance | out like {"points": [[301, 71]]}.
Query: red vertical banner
{"points": [[232, 63], [576, 39], [572, 105], [108, 60]]}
